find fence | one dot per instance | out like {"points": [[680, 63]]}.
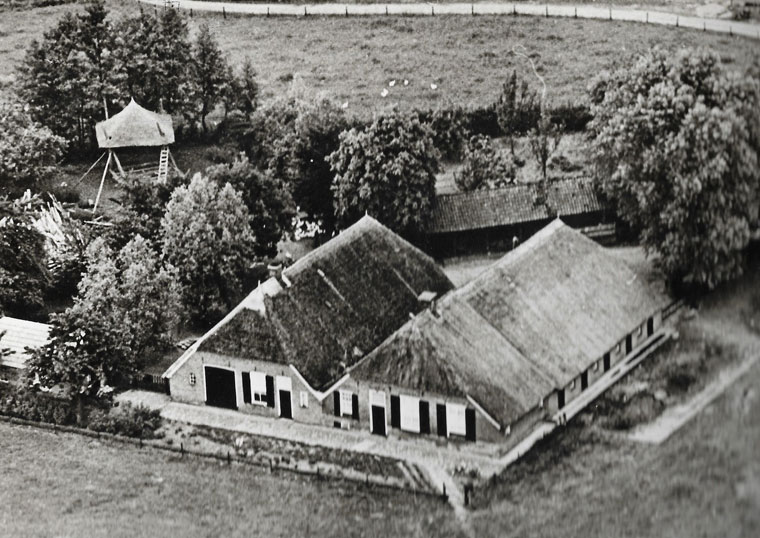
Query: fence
{"points": [[153, 382], [745, 29]]}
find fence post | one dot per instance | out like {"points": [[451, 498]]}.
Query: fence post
{"points": [[229, 460], [610, 13], [576, 13], [547, 11], [305, 13], [647, 17], [224, 12], [514, 10], [191, 13], [677, 20], [432, 10], [386, 9], [472, 7], [731, 31]]}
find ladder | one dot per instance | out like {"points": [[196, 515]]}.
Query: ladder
{"points": [[163, 165]]}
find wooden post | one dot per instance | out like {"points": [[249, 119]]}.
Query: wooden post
{"points": [[305, 13], [677, 20], [546, 13], [610, 13], [100, 189], [575, 16], [224, 12]]}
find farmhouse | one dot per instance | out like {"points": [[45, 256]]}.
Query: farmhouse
{"points": [[489, 360], [489, 220], [19, 337], [295, 335]]}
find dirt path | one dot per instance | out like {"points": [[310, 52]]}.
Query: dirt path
{"points": [[746, 29]]}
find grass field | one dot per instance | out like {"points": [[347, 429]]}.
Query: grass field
{"points": [[353, 59], [67, 485]]}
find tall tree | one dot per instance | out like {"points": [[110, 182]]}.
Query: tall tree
{"points": [[124, 315], [207, 237], [209, 75], [676, 148], [23, 275], [267, 198], [517, 108], [387, 170]]}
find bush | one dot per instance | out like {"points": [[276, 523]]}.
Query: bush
{"points": [[126, 420], [31, 405], [485, 167], [449, 130], [571, 118], [64, 193], [482, 121]]}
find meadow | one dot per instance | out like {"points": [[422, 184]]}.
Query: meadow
{"points": [[353, 59]]}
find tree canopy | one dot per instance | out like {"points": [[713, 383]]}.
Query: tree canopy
{"points": [[124, 314], [676, 148], [387, 170], [207, 237]]}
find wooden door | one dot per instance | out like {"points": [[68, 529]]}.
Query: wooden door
{"points": [[378, 420], [650, 326], [424, 417], [440, 415], [469, 422], [220, 387], [584, 380], [560, 398], [286, 409]]}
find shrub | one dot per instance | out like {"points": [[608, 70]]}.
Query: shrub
{"points": [[28, 404], [449, 130], [64, 193], [126, 420], [571, 118], [485, 167]]}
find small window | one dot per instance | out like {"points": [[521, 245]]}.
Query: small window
{"points": [[304, 399], [346, 403], [192, 378], [596, 366], [641, 331], [617, 348], [259, 387], [572, 385]]}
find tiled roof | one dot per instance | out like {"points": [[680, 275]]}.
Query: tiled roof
{"points": [[514, 204], [19, 335]]}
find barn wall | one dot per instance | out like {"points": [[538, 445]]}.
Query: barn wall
{"points": [[183, 391]]}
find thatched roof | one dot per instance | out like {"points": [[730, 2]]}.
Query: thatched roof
{"points": [[513, 204], [19, 336], [333, 306], [135, 126], [530, 323]]}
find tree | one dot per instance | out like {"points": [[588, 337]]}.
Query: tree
{"points": [[28, 151], [23, 275], [485, 167], [544, 140], [69, 76], [516, 108], [676, 149], [387, 170], [209, 75], [267, 198], [155, 54], [124, 315], [207, 237]]}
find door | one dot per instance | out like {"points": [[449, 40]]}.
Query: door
{"points": [[286, 409], [560, 398], [650, 326], [220, 387], [606, 361], [628, 344], [378, 420], [584, 380], [395, 412], [424, 417], [469, 421], [440, 415]]}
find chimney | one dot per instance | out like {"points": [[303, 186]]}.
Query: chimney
{"points": [[427, 299], [275, 270]]}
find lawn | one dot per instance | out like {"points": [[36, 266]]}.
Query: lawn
{"points": [[68, 485], [352, 59]]}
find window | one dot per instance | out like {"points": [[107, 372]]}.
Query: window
{"points": [[259, 388], [455, 419], [596, 366], [617, 348], [410, 413], [641, 331], [572, 385], [304, 399], [192, 378], [346, 403]]}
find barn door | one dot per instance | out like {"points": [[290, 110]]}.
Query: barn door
{"points": [[220, 387], [650, 326], [560, 398], [378, 420], [424, 417], [628, 344], [584, 380], [440, 415], [469, 422], [606, 361], [286, 407]]}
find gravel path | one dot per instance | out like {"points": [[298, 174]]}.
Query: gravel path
{"points": [[746, 29]]}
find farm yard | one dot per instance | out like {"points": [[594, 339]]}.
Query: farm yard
{"points": [[298, 291]]}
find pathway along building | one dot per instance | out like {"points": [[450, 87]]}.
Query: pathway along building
{"points": [[366, 332]]}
